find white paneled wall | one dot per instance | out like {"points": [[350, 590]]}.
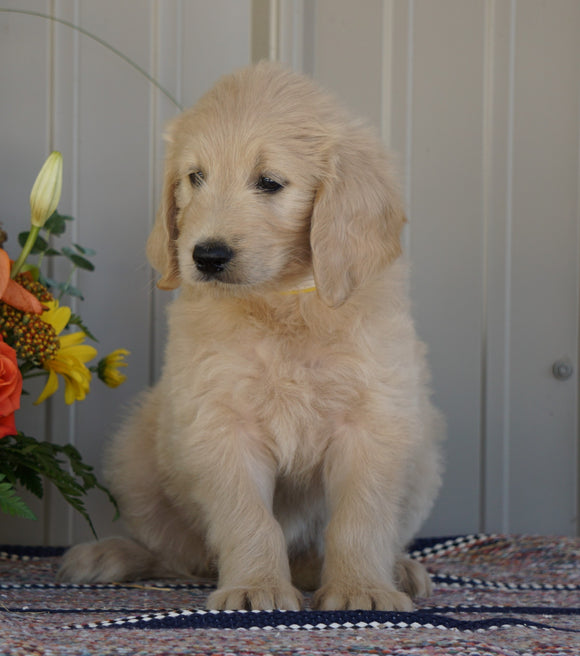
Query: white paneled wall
{"points": [[480, 103]]}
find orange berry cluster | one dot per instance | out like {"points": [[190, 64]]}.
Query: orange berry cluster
{"points": [[33, 339], [40, 291]]}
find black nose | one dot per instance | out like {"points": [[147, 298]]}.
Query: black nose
{"points": [[211, 257]]}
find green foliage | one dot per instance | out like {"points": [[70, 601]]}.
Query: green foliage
{"points": [[78, 260], [64, 288], [75, 320], [39, 246], [78, 256], [56, 224], [11, 503], [26, 461]]}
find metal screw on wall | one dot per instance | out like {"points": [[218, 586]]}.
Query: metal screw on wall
{"points": [[562, 369]]}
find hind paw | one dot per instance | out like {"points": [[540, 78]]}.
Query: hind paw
{"points": [[113, 559], [412, 577]]}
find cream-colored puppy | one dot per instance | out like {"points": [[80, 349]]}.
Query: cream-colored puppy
{"points": [[291, 442]]}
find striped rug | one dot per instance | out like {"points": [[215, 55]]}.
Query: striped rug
{"points": [[494, 594]]}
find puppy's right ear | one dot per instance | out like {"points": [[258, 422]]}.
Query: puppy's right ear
{"points": [[162, 242]]}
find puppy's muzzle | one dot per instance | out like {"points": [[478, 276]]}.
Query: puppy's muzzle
{"points": [[212, 257]]}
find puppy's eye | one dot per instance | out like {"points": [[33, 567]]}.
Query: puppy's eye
{"points": [[196, 178], [268, 185]]}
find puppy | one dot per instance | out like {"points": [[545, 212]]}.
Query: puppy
{"points": [[290, 442]]}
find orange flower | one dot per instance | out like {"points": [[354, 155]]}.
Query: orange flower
{"points": [[10, 389], [14, 294]]}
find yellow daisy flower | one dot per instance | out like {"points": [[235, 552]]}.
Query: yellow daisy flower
{"points": [[57, 317], [69, 360], [108, 368]]}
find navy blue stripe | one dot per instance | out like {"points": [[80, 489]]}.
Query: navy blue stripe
{"points": [[322, 621], [32, 552], [420, 612]]}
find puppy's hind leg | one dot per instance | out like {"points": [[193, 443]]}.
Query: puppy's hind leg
{"points": [[163, 543], [112, 559]]}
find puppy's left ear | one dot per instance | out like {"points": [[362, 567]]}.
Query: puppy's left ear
{"points": [[357, 219]]}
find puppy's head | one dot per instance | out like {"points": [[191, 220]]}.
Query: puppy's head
{"points": [[267, 183]]}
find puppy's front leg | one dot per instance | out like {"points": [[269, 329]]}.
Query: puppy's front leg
{"points": [[364, 478], [236, 489]]}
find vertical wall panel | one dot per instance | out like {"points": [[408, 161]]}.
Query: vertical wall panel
{"points": [[445, 228], [348, 52], [497, 217], [397, 106], [544, 312], [215, 45]]}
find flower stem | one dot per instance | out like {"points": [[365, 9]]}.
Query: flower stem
{"points": [[66, 285], [32, 235]]}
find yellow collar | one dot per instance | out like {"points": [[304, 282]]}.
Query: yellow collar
{"points": [[305, 288]]}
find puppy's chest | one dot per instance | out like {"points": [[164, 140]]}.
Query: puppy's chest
{"points": [[290, 387], [297, 392]]}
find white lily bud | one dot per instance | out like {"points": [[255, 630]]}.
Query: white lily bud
{"points": [[46, 190]]}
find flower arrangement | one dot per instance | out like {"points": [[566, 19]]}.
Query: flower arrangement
{"points": [[41, 337]]}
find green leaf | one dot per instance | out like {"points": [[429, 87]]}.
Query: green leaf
{"points": [[11, 503], [75, 320], [62, 287], [78, 260], [30, 480], [56, 223], [82, 263], [89, 252], [39, 246], [71, 290]]}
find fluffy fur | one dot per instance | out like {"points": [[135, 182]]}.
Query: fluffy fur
{"points": [[290, 442]]}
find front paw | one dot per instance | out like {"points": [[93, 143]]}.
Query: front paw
{"points": [[336, 596], [282, 596]]}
